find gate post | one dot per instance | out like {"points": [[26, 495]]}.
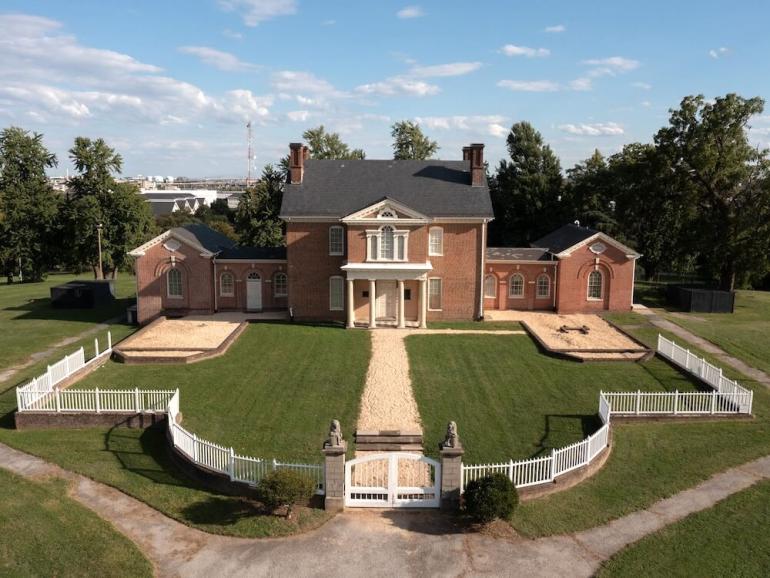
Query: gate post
{"points": [[334, 469], [451, 452]]}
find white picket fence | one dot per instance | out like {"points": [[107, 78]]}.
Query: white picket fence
{"points": [[730, 393], [38, 392], [727, 398]]}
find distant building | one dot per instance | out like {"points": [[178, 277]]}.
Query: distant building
{"points": [[164, 202]]}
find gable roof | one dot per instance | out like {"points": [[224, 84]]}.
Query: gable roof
{"points": [[206, 237], [564, 237], [336, 188], [517, 254]]}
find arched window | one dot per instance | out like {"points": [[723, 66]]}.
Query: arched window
{"points": [[595, 285], [254, 276], [227, 284], [336, 240], [280, 285], [336, 294], [386, 243], [436, 241], [490, 286], [174, 279], [516, 286], [543, 286]]}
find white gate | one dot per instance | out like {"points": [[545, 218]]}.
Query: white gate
{"points": [[393, 480]]}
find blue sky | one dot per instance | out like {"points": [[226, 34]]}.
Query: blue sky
{"points": [[172, 84]]}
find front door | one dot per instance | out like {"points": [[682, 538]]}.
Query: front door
{"points": [[386, 299], [254, 292]]}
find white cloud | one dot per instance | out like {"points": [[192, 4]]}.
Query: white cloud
{"points": [[513, 50], [610, 66], [646, 103], [642, 85], [719, 52], [556, 29], [255, 11], [396, 85], [597, 129], [232, 34], [581, 84], [217, 58], [529, 85], [298, 84], [450, 69], [410, 12], [298, 115], [481, 124]]}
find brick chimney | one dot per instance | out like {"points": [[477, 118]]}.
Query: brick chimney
{"points": [[466, 153], [297, 156], [478, 174]]}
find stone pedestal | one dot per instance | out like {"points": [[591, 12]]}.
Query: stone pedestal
{"points": [[334, 471], [451, 477]]}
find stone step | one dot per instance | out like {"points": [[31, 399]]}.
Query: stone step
{"points": [[372, 439], [388, 432], [370, 447]]}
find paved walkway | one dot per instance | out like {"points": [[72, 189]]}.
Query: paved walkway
{"points": [[704, 344], [380, 543]]}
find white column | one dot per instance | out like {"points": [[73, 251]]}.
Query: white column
{"points": [[401, 321], [423, 304], [372, 304], [351, 305]]}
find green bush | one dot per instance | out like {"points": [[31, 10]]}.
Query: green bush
{"points": [[285, 488], [491, 497]]}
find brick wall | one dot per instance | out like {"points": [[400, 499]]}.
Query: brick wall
{"points": [[267, 273], [530, 300]]}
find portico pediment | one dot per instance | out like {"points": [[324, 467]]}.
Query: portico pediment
{"points": [[386, 211]]}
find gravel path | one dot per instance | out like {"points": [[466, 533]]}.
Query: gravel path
{"points": [[388, 543]]}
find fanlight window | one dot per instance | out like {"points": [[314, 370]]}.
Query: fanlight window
{"points": [[516, 285], [595, 285], [387, 244]]}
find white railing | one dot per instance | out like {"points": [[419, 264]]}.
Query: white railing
{"points": [[728, 390], [678, 403], [95, 400], [36, 395]]}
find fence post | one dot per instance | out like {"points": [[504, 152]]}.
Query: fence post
{"points": [[713, 400], [195, 448], [510, 470], [275, 464], [553, 464], [109, 340], [451, 475], [137, 401], [18, 400], [96, 347], [96, 401], [676, 401], [58, 401], [231, 465], [687, 360], [638, 400], [751, 401]]}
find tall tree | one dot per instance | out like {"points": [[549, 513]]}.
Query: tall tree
{"points": [[526, 190], [28, 204], [409, 142], [708, 148], [96, 198], [329, 145], [589, 196], [256, 218]]}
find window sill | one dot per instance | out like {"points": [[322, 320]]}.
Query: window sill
{"points": [[515, 296], [435, 254], [227, 294], [595, 299], [336, 254], [174, 297]]}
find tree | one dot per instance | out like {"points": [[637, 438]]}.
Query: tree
{"points": [[97, 198], [526, 190], [409, 142], [28, 204], [329, 145], [707, 146], [256, 218], [589, 196]]}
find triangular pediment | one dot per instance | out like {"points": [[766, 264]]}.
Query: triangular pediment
{"points": [[386, 209]]}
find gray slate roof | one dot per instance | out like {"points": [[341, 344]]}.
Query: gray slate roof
{"points": [[564, 237], [206, 237], [336, 188], [517, 254], [161, 208]]}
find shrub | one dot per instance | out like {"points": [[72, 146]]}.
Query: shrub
{"points": [[285, 488], [491, 497]]}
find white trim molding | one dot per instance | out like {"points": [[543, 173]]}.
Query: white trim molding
{"points": [[387, 271], [628, 251], [364, 217]]}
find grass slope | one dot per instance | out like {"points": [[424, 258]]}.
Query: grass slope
{"points": [[45, 533], [726, 540]]}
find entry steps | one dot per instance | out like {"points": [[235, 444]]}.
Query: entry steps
{"points": [[389, 441]]}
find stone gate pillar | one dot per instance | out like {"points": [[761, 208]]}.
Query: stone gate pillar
{"points": [[334, 469], [451, 452]]}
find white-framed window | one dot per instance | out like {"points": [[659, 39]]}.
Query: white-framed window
{"points": [[336, 294], [543, 286], [434, 294], [336, 240], [174, 283], [516, 286], [387, 244], [490, 286], [595, 285], [280, 285], [436, 241], [227, 284]]}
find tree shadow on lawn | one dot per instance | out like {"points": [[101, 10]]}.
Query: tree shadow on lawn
{"points": [[42, 309], [223, 510], [560, 427]]}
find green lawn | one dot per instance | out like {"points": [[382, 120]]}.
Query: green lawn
{"points": [[510, 401], [31, 325], [729, 539], [477, 325], [46, 533], [744, 333]]}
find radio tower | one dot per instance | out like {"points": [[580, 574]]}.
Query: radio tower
{"points": [[248, 171]]}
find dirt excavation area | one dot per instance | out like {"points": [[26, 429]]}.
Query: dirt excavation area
{"points": [[584, 336]]}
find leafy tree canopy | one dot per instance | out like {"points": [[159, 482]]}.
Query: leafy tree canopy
{"points": [[409, 142]]}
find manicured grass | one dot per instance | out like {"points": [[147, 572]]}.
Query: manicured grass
{"points": [[729, 539], [271, 396], [743, 333], [511, 402], [45, 533], [30, 324], [477, 325]]}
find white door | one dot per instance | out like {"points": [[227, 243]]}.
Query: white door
{"points": [[386, 299], [254, 292]]}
